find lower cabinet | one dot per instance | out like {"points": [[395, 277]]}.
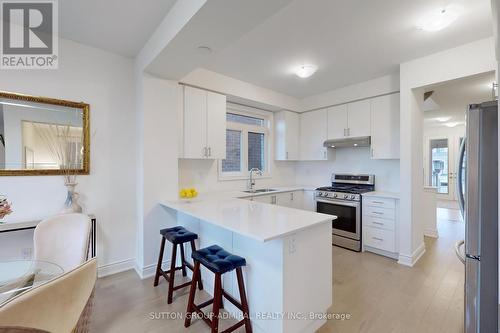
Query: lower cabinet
{"points": [[380, 226], [292, 199]]}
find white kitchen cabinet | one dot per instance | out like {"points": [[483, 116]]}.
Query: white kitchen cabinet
{"points": [[263, 198], [216, 125], [292, 199], [289, 199], [380, 225], [286, 128], [349, 120], [385, 127], [204, 124], [337, 122], [358, 118], [309, 200], [313, 133]]}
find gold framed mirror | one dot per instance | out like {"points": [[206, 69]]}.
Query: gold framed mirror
{"points": [[43, 136]]}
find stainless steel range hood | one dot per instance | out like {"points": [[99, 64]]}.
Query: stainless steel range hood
{"points": [[362, 141]]}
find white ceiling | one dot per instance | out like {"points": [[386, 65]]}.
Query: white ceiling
{"points": [[119, 26], [452, 98], [350, 40]]}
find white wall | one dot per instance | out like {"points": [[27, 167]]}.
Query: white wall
{"points": [[470, 59], [105, 81], [347, 160], [159, 106]]}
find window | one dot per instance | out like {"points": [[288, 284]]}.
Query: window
{"points": [[247, 140]]}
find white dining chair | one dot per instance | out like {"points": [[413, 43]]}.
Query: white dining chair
{"points": [[61, 305], [63, 240]]}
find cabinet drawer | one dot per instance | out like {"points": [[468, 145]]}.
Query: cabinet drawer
{"points": [[383, 213], [376, 222], [380, 202], [379, 239]]}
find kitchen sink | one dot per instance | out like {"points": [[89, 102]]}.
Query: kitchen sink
{"points": [[262, 190]]}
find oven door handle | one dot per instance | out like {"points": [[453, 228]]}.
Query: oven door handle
{"points": [[354, 204]]}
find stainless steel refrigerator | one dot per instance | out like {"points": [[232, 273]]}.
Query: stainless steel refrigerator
{"points": [[478, 198]]}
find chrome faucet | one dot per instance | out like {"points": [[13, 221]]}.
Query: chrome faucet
{"points": [[251, 180]]}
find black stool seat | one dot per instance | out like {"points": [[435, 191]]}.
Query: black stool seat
{"points": [[178, 235], [218, 260]]}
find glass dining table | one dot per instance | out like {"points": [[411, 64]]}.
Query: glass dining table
{"points": [[17, 276]]}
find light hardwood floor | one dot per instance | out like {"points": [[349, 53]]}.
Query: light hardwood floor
{"points": [[378, 294]]}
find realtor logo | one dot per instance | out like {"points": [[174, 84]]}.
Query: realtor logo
{"points": [[29, 34]]}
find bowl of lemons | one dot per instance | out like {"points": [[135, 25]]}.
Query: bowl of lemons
{"points": [[188, 193]]}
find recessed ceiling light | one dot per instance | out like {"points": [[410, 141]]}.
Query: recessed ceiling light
{"points": [[441, 18], [442, 119], [306, 70], [204, 50]]}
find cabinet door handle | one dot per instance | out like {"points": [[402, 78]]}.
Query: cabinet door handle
{"points": [[286, 155], [210, 151], [324, 154], [205, 152], [372, 150], [348, 132], [291, 196], [379, 239], [273, 200], [378, 213], [378, 223], [378, 202]]}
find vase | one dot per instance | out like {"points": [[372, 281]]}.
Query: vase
{"points": [[71, 205]]}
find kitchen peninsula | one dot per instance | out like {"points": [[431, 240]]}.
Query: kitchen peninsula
{"points": [[288, 252]]}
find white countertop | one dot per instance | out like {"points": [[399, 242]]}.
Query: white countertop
{"points": [[382, 194], [259, 221]]}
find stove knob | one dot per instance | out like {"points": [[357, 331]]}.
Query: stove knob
{"points": [[353, 197], [335, 195], [346, 196]]}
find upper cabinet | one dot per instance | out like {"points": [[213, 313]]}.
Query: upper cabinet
{"points": [[385, 127], [286, 129], [204, 124], [349, 120], [313, 133], [358, 118], [337, 122]]}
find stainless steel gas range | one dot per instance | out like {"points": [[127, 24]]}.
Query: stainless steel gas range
{"points": [[343, 199]]}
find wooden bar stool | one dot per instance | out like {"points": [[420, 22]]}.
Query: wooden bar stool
{"points": [[177, 236], [219, 261]]}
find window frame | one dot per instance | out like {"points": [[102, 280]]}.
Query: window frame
{"points": [[245, 129]]}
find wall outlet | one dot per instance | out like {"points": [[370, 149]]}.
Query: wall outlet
{"points": [[27, 253]]}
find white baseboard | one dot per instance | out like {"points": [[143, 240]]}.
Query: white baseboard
{"points": [[149, 270], [410, 261], [115, 267], [433, 233]]}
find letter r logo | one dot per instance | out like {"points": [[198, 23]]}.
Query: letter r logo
{"points": [[27, 27]]}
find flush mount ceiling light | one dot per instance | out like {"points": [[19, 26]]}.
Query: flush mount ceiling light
{"points": [[306, 70], [441, 18]]}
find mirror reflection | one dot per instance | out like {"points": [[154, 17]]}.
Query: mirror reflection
{"points": [[41, 136]]}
